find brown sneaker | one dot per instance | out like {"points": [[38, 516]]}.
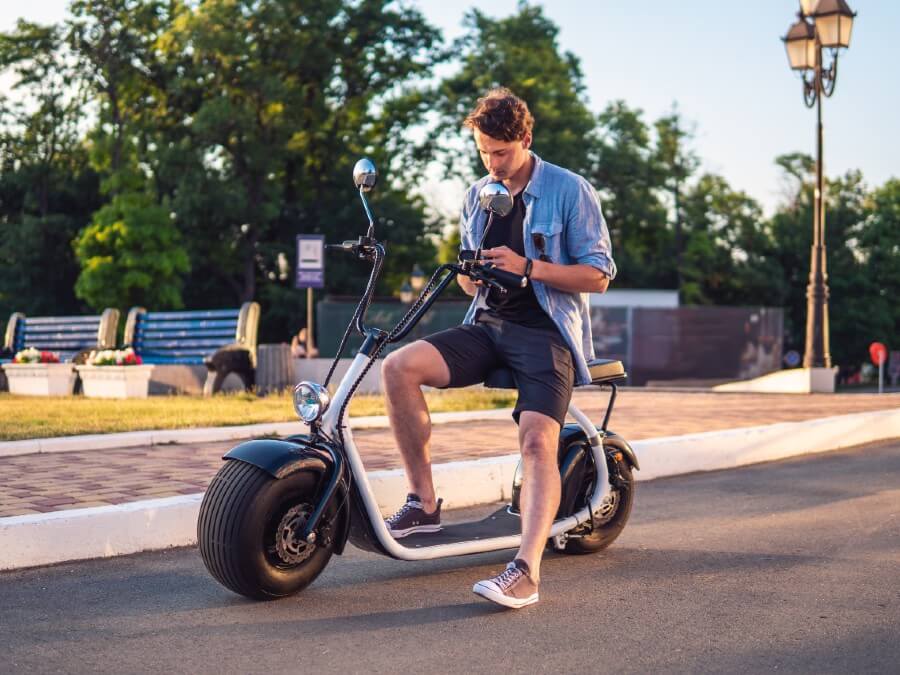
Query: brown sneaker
{"points": [[412, 518], [512, 588]]}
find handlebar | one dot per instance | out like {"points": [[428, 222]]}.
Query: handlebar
{"points": [[488, 273]]}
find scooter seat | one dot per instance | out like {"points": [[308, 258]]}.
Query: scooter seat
{"points": [[604, 371]]}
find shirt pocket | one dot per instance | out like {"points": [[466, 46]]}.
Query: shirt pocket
{"points": [[546, 237]]}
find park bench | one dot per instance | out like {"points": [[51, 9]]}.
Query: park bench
{"points": [[71, 337], [224, 340]]}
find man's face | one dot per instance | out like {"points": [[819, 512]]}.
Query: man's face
{"points": [[502, 159]]}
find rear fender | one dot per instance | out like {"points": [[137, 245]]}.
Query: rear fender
{"points": [[281, 458], [615, 442]]}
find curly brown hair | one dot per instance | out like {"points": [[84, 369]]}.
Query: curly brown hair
{"points": [[502, 115]]}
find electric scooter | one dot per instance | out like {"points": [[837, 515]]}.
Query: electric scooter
{"points": [[278, 509]]}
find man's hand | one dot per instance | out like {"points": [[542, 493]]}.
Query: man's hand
{"points": [[469, 287], [505, 259]]}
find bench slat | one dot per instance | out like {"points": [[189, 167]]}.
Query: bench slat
{"points": [[60, 328], [200, 314], [172, 360], [164, 345], [56, 345], [166, 325], [171, 335], [71, 337], [63, 320]]}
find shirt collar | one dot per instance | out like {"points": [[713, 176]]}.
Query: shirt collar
{"points": [[537, 177]]}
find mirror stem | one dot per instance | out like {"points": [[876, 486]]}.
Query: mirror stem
{"points": [[487, 228], [371, 231]]}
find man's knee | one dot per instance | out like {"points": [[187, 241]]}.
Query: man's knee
{"points": [[539, 438], [415, 365], [395, 368]]}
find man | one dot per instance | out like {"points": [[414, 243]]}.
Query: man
{"points": [[556, 236]]}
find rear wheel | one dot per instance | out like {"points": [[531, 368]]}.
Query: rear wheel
{"points": [[250, 531], [612, 520]]}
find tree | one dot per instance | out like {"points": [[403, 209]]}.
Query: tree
{"points": [[47, 188], [677, 164], [274, 103], [851, 290], [728, 258], [878, 243], [627, 179], [520, 52], [131, 255]]}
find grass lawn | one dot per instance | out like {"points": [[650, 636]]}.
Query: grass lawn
{"points": [[23, 417]]}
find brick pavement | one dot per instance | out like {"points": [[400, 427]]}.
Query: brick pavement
{"points": [[52, 482]]}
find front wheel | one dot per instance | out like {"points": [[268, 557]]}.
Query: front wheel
{"points": [[612, 521], [249, 531]]}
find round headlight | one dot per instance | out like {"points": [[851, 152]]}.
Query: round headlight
{"points": [[311, 401]]}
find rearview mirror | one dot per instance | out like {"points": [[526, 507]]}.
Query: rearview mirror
{"points": [[495, 198], [365, 175]]}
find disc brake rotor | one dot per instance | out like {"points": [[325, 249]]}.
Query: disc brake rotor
{"points": [[608, 509], [289, 544]]}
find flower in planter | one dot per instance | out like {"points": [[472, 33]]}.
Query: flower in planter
{"points": [[114, 357], [32, 355]]}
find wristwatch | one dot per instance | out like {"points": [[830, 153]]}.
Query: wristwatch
{"points": [[528, 265]]}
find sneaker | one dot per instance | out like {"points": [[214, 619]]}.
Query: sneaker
{"points": [[411, 518], [512, 588]]}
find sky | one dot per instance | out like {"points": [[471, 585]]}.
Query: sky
{"points": [[721, 61]]}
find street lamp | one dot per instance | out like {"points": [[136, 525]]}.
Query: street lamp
{"points": [[821, 25], [417, 278], [406, 293]]}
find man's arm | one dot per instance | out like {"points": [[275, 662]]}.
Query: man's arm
{"points": [[577, 278]]}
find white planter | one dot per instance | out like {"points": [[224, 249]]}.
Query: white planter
{"points": [[115, 381], [40, 379]]}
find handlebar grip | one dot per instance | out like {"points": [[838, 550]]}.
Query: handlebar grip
{"points": [[507, 279]]}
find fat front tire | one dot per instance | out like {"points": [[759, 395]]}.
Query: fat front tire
{"points": [[614, 522], [249, 529]]}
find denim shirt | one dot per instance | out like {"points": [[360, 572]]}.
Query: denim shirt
{"points": [[563, 207]]}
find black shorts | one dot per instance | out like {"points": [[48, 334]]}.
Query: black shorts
{"points": [[539, 358]]}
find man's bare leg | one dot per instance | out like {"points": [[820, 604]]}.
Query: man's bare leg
{"points": [[404, 372], [538, 440]]}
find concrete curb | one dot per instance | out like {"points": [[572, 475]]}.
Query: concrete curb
{"points": [[41, 539], [132, 439]]}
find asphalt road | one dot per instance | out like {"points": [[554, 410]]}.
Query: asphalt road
{"points": [[791, 566]]}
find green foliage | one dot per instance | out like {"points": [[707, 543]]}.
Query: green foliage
{"points": [[47, 188], [628, 180], [519, 52], [131, 255], [183, 145], [879, 252]]}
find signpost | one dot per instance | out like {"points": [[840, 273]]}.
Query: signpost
{"points": [[310, 275], [878, 352]]}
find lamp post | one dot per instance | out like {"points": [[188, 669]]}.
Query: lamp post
{"points": [[821, 25], [406, 293], [417, 278]]}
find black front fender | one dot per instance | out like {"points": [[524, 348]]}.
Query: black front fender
{"points": [[281, 458]]}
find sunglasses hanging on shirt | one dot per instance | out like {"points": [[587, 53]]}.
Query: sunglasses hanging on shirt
{"points": [[539, 243]]}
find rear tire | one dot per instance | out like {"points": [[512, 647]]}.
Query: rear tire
{"points": [[248, 531], [613, 523]]}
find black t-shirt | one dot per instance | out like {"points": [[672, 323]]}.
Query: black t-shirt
{"points": [[518, 305]]}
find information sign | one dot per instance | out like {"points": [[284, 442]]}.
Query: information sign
{"points": [[310, 261]]}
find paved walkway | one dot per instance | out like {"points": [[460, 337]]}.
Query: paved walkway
{"points": [[51, 482]]}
